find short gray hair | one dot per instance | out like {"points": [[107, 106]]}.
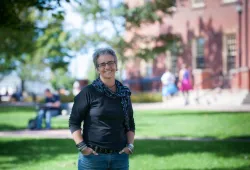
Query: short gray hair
{"points": [[103, 51]]}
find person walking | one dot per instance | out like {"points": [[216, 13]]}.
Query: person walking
{"points": [[104, 107], [168, 85], [185, 84]]}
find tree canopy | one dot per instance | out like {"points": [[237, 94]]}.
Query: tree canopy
{"points": [[151, 12], [32, 28], [121, 19]]}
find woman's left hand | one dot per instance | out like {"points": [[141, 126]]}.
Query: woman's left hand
{"points": [[125, 150]]}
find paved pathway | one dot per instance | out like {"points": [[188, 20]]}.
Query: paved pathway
{"points": [[177, 106], [171, 105]]}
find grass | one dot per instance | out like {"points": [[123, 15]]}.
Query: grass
{"points": [[14, 118], [158, 123], [53, 154], [161, 123]]}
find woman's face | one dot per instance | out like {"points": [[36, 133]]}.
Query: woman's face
{"points": [[106, 66]]}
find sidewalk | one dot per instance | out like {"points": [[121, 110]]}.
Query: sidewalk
{"points": [[179, 106], [170, 105]]}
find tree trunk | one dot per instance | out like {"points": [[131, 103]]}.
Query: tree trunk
{"points": [[22, 85]]}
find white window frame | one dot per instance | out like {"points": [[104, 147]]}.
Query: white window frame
{"points": [[231, 48], [228, 1], [202, 54], [198, 4]]}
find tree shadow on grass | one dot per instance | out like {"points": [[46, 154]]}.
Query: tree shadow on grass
{"points": [[8, 109], [221, 149], [239, 168], [163, 147], [33, 150], [5, 127], [36, 150]]}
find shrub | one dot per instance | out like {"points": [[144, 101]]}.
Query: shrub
{"points": [[146, 97], [39, 99], [67, 99]]}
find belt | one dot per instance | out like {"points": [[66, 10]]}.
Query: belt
{"points": [[103, 150]]}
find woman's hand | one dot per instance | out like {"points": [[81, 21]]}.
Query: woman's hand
{"points": [[88, 151], [125, 150]]}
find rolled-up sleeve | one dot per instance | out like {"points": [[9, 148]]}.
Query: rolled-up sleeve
{"points": [[79, 110]]}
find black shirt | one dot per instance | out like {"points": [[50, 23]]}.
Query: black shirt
{"points": [[53, 99], [103, 119]]}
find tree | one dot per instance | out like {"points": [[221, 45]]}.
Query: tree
{"points": [[61, 79], [104, 17], [123, 19], [30, 70], [151, 12], [32, 38], [23, 24]]}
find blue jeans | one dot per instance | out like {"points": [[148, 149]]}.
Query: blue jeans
{"points": [[48, 114], [101, 161]]}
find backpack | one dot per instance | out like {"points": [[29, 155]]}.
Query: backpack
{"points": [[32, 123]]}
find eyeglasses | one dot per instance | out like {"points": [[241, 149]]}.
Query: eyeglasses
{"points": [[109, 63]]}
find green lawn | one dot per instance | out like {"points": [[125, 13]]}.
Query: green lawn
{"points": [[158, 123], [54, 154], [14, 118], [162, 123]]}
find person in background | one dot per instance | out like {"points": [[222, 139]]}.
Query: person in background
{"points": [[168, 85], [185, 84], [17, 96], [104, 107], [51, 108]]}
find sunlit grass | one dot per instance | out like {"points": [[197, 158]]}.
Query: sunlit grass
{"points": [[53, 154], [157, 123], [195, 124]]}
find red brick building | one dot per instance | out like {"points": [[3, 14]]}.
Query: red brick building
{"points": [[212, 33]]}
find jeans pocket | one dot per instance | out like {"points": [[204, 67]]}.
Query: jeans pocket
{"points": [[88, 154]]}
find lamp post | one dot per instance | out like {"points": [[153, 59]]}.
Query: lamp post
{"points": [[239, 10]]}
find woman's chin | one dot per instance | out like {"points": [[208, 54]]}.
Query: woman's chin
{"points": [[109, 77]]}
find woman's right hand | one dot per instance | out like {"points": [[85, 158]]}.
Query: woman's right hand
{"points": [[88, 151]]}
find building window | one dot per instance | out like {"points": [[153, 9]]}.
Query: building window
{"points": [[198, 3], [149, 71], [200, 61], [228, 1], [174, 64], [231, 51]]}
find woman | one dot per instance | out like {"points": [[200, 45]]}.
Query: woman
{"points": [[185, 83], [105, 109]]}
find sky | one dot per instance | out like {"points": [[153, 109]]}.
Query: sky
{"points": [[80, 64]]}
